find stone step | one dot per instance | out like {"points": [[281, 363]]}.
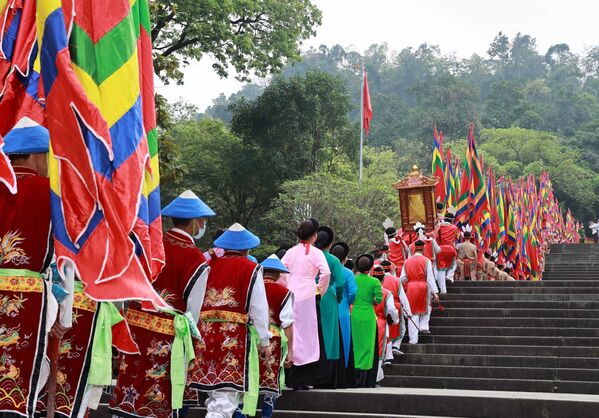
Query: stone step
{"points": [[585, 304], [520, 284], [498, 361], [536, 290], [504, 350], [511, 340], [423, 401], [553, 322], [200, 412], [564, 297], [519, 312], [492, 372], [551, 386], [459, 331]]}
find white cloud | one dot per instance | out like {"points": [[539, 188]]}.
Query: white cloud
{"points": [[462, 27]]}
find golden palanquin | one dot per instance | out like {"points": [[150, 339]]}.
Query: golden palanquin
{"points": [[417, 200]]}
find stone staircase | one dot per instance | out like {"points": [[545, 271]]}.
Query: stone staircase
{"points": [[499, 349]]}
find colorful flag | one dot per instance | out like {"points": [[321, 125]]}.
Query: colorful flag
{"points": [[366, 104], [95, 114], [478, 197], [19, 75], [438, 170]]}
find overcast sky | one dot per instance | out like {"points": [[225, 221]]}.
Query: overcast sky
{"points": [[462, 27]]}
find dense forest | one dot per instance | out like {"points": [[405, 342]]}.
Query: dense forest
{"points": [[252, 154]]}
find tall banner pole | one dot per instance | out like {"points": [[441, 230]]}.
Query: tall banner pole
{"points": [[361, 125]]}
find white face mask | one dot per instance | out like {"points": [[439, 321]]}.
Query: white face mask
{"points": [[200, 232]]}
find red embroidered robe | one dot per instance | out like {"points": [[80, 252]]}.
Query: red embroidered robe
{"points": [[270, 369], [143, 385], [25, 252], [223, 361]]}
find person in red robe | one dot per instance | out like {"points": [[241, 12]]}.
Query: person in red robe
{"points": [[29, 309], [446, 261], [147, 385], [386, 315], [280, 309], [235, 328], [431, 248], [398, 249], [400, 300], [417, 276]]}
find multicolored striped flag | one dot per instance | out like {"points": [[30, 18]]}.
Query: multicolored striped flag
{"points": [[438, 169], [98, 108], [19, 75], [478, 198]]}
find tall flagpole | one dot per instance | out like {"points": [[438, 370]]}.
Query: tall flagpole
{"points": [[361, 125]]}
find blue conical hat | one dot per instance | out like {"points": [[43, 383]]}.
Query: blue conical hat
{"points": [[187, 206], [27, 137], [237, 238], [273, 263]]}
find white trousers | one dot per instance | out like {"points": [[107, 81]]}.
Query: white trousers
{"points": [[380, 375], [222, 403], [441, 276], [389, 351], [421, 321]]}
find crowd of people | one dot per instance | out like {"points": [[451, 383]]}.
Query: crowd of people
{"points": [[308, 316]]}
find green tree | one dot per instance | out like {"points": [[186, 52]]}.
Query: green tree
{"points": [[249, 36], [229, 174], [297, 121], [356, 213]]}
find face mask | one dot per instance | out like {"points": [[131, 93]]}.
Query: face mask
{"points": [[200, 232]]}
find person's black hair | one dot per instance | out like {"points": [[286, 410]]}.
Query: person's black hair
{"points": [[281, 251], [378, 272], [440, 206], [467, 234], [18, 157], [350, 264], [385, 263], [364, 263], [391, 232], [449, 215], [307, 228], [340, 250], [488, 256], [419, 243], [181, 222], [324, 238]]}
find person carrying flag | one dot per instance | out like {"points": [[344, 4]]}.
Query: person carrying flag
{"points": [[29, 310], [152, 382], [234, 326]]}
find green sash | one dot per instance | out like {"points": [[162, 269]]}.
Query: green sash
{"points": [[19, 273], [182, 353], [100, 370], [250, 398]]}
